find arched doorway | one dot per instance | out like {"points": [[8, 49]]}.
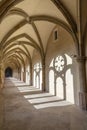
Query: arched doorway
{"points": [[8, 72]]}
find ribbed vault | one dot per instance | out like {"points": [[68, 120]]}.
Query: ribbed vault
{"points": [[26, 25]]}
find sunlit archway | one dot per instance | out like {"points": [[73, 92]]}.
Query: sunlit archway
{"points": [[28, 74], [61, 77], [37, 75]]}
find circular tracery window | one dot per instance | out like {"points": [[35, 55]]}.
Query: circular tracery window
{"points": [[59, 63], [37, 67]]}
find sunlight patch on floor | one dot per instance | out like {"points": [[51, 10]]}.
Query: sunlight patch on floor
{"points": [[27, 89], [42, 100], [37, 95], [39, 100], [53, 104]]}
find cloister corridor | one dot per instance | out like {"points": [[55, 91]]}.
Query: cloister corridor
{"points": [[43, 65], [27, 108]]}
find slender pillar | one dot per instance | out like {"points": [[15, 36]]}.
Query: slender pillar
{"points": [[0, 79], [24, 74], [19, 73], [1, 76], [43, 76], [0, 68], [1, 71], [82, 79], [31, 82]]}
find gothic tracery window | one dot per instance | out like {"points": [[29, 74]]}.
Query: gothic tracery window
{"points": [[38, 75], [59, 63], [55, 80], [61, 81]]}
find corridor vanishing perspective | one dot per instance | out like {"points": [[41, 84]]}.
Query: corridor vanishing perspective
{"points": [[31, 109], [43, 64]]}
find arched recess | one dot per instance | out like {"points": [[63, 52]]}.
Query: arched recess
{"points": [[51, 82], [37, 70], [37, 76], [17, 58], [60, 67], [13, 63], [20, 44], [61, 77], [17, 53], [8, 72]]}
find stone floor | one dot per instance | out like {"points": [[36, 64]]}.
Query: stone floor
{"points": [[26, 108]]}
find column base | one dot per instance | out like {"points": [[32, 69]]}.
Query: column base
{"points": [[83, 100]]}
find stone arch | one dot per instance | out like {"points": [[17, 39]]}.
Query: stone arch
{"points": [[8, 72]]}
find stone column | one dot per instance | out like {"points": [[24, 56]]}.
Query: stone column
{"points": [[1, 70], [19, 73], [1, 76], [82, 79], [24, 74], [31, 82], [43, 76]]}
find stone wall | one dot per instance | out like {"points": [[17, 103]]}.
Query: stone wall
{"points": [[64, 45]]}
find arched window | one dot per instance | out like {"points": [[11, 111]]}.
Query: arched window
{"points": [[51, 82], [59, 88], [28, 74], [61, 77], [37, 75]]}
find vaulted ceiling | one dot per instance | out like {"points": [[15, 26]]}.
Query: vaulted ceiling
{"points": [[26, 25]]}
